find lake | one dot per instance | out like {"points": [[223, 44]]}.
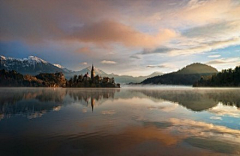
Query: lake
{"points": [[128, 121]]}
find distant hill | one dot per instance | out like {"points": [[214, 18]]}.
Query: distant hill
{"points": [[226, 78], [128, 79], [185, 76], [34, 65]]}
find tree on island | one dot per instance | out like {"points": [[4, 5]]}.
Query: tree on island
{"points": [[226, 78]]}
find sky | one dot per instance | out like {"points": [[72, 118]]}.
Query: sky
{"points": [[133, 37]]}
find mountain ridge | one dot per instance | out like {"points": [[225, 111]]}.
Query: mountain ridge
{"points": [[34, 65], [185, 76]]}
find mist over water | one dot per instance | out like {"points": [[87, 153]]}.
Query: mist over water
{"points": [[141, 120]]}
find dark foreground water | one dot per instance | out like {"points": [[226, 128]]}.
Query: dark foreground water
{"points": [[127, 121]]}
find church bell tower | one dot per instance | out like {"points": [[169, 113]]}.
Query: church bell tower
{"points": [[92, 72]]}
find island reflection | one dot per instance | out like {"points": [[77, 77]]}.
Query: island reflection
{"points": [[33, 103]]}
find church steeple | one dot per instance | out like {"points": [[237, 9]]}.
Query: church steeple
{"points": [[92, 72]]}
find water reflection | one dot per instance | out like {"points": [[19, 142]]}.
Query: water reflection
{"points": [[197, 100], [35, 102], [119, 121], [91, 96]]}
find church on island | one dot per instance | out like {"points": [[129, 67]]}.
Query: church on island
{"points": [[93, 81]]}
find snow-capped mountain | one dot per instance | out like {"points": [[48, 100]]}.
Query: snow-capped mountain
{"points": [[34, 65], [63, 68], [31, 65], [58, 65]]}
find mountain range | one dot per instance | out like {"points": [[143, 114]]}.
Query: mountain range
{"points": [[34, 65], [185, 76]]}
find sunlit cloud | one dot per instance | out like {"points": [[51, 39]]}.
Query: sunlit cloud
{"points": [[116, 32], [226, 111], [215, 118], [198, 128], [235, 61], [194, 48], [168, 108], [155, 66], [128, 30], [214, 56], [161, 66], [83, 50], [198, 12], [84, 63], [108, 62]]}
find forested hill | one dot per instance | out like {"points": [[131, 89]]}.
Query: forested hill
{"points": [[185, 76], [226, 78]]}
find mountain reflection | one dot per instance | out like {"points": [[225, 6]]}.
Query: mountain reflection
{"points": [[197, 100], [34, 103], [30, 102]]}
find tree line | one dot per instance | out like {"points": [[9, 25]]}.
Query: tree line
{"points": [[226, 78]]}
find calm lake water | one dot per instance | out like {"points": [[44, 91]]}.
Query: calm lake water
{"points": [[127, 121]]}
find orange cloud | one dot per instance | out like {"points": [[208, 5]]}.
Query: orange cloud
{"points": [[115, 32], [83, 50]]}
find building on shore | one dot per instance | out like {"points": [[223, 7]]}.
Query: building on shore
{"points": [[93, 81]]}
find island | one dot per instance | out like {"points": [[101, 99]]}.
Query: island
{"points": [[14, 79], [93, 81]]}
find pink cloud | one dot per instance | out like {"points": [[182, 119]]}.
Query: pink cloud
{"points": [[116, 32]]}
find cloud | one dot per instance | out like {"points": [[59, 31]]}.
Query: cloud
{"points": [[115, 32], [108, 62], [214, 56], [225, 61], [163, 65], [198, 12], [198, 128], [135, 57], [171, 28], [83, 50], [225, 111], [86, 24], [215, 118], [158, 50], [168, 108], [156, 66], [195, 48], [84, 63], [202, 38], [47, 20], [223, 29], [153, 66]]}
